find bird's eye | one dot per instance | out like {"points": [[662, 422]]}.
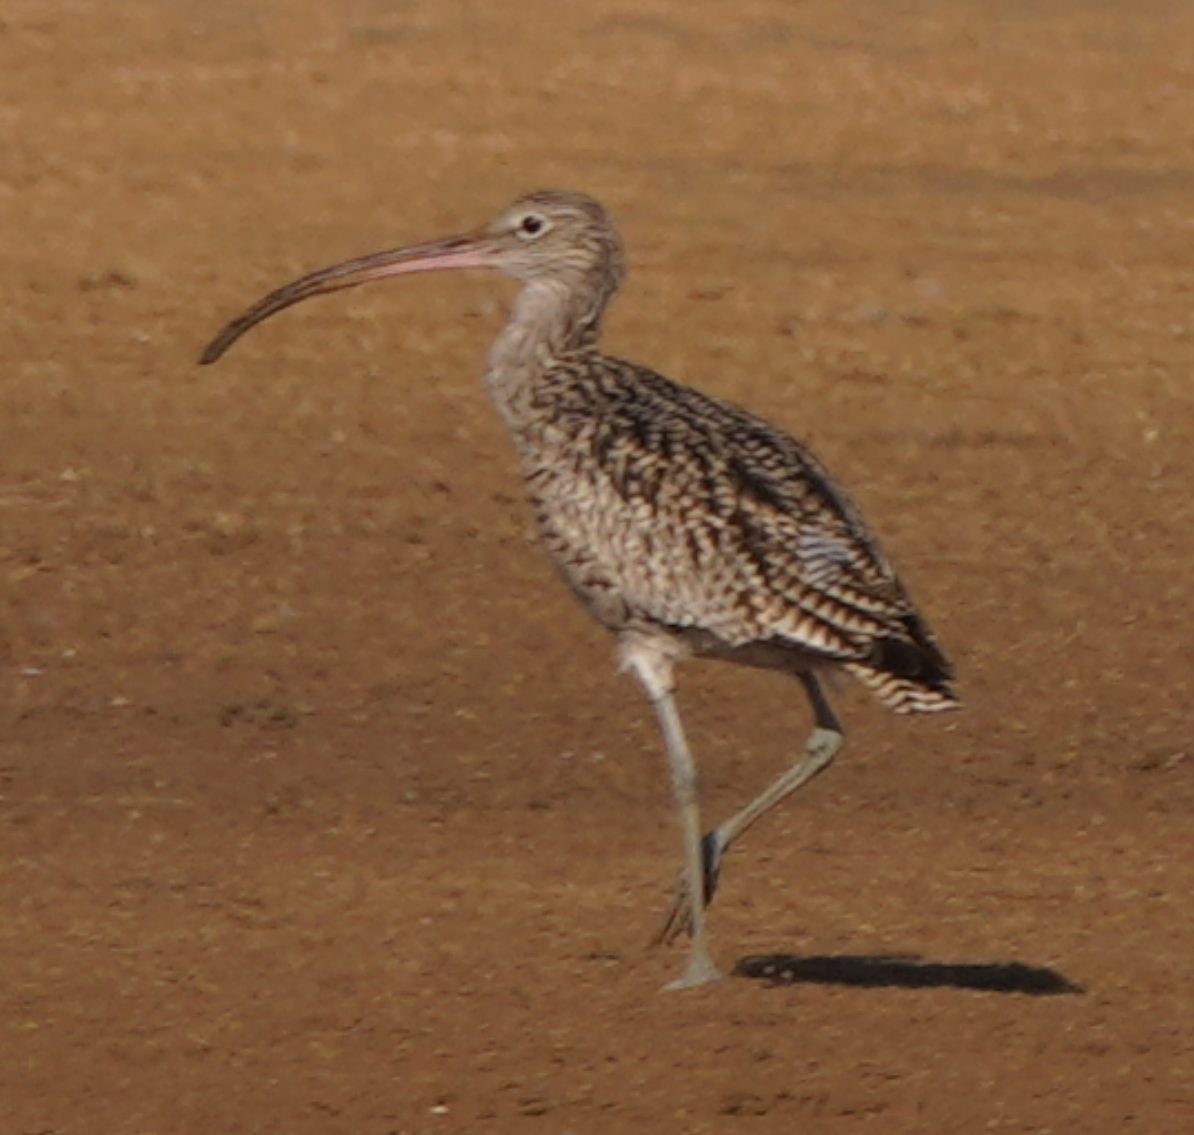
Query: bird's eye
{"points": [[532, 225]]}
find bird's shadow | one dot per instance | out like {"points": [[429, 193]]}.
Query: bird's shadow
{"points": [[904, 972]]}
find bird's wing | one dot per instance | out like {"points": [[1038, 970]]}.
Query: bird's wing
{"points": [[697, 514]]}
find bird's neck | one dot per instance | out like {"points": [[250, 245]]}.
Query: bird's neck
{"points": [[549, 321]]}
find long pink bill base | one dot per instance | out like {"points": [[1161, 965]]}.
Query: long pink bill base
{"points": [[469, 250]]}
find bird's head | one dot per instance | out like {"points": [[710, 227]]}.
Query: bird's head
{"points": [[548, 237], [554, 235]]}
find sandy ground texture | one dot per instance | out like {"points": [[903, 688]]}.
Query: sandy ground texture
{"points": [[324, 811]]}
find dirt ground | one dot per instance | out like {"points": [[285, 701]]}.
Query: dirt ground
{"points": [[323, 807]]}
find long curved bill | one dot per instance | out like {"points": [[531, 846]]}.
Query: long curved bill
{"points": [[467, 250]]}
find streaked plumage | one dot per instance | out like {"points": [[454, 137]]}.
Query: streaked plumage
{"points": [[685, 525], [666, 508]]}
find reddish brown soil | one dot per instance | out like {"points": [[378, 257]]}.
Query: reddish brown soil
{"points": [[324, 810]]}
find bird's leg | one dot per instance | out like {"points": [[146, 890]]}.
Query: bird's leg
{"points": [[654, 669], [819, 750]]}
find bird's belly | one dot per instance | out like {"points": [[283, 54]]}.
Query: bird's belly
{"points": [[632, 564]]}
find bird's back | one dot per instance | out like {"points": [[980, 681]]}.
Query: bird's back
{"points": [[668, 509]]}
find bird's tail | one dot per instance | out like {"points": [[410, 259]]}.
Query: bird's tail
{"points": [[905, 695], [908, 671]]}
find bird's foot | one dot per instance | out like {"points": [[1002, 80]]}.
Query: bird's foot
{"points": [[678, 919], [699, 970]]}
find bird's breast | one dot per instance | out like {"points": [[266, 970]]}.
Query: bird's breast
{"points": [[630, 537]]}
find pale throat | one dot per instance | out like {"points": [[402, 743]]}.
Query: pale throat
{"points": [[550, 318]]}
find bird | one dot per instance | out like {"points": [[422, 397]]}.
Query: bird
{"points": [[687, 526]]}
